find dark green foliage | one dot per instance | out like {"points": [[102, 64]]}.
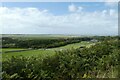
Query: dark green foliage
{"points": [[8, 42]]}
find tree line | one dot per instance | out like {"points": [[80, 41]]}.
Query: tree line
{"points": [[8, 42]]}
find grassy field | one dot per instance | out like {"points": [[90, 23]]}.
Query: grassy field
{"points": [[40, 52], [9, 49], [37, 36]]}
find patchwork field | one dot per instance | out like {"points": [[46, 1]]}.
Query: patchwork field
{"points": [[9, 52]]}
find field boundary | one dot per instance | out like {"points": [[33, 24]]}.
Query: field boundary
{"points": [[17, 50]]}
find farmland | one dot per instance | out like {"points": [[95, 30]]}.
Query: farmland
{"points": [[25, 51], [60, 57], [39, 52]]}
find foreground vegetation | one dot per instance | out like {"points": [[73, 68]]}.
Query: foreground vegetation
{"points": [[97, 61]]}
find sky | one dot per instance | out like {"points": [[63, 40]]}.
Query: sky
{"points": [[83, 18]]}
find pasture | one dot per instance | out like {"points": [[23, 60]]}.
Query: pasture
{"points": [[37, 36], [40, 52]]}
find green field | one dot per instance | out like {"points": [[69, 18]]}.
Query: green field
{"points": [[38, 36], [9, 49], [41, 52]]}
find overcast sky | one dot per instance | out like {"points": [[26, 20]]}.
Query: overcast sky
{"points": [[84, 18]]}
